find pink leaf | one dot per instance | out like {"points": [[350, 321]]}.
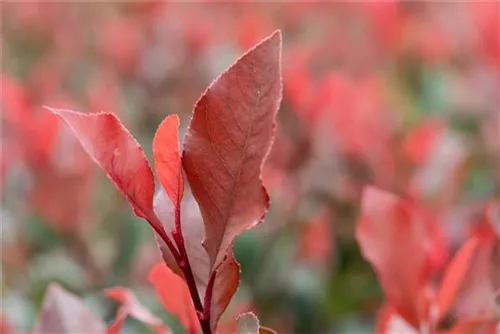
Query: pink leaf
{"points": [[229, 137], [397, 241], [132, 307], [168, 158], [63, 312], [174, 295]]}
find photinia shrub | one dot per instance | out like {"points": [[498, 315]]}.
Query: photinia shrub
{"points": [[230, 135], [404, 246]]}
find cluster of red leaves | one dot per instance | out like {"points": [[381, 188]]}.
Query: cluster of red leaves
{"points": [[422, 288], [335, 83], [229, 137]]}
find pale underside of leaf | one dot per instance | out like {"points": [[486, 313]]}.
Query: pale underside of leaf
{"points": [[248, 323], [192, 229]]}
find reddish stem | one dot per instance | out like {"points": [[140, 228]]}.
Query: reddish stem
{"points": [[188, 273], [208, 295], [158, 227]]}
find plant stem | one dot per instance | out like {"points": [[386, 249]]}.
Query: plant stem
{"points": [[183, 263], [208, 295]]}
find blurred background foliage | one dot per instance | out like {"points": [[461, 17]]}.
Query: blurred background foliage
{"points": [[403, 95]]}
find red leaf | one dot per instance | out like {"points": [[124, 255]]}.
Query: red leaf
{"points": [[476, 298], [168, 158], [476, 326], [454, 275], [174, 295], [226, 283], [316, 242], [389, 322], [5, 326], [397, 240], [229, 137], [116, 151], [63, 312], [131, 307]]}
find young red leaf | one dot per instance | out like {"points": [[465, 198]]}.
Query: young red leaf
{"points": [[63, 312], [131, 307], [455, 274], [168, 158], [227, 279], [397, 241], [174, 295], [116, 151], [229, 137]]}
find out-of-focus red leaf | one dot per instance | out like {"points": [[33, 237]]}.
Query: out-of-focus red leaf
{"points": [[397, 241], [418, 143], [492, 213], [389, 322], [5, 326], [130, 306], [63, 312], [317, 240], [116, 151], [476, 326], [477, 296], [454, 275], [168, 158], [174, 295], [229, 137]]}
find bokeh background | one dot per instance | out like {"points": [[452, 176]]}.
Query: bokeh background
{"points": [[402, 95]]}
